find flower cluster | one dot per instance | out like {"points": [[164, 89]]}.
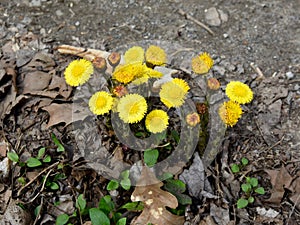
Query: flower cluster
{"points": [[238, 93], [135, 68]]}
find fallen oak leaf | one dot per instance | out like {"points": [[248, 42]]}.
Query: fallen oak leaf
{"points": [[155, 201], [280, 179], [64, 113]]}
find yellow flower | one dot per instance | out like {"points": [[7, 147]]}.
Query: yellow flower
{"points": [[239, 92], [126, 73], [202, 63], [157, 121], [153, 73], [134, 54], [230, 112], [156, 56], [193, 119], [140, 80], [132, 108], [78, 72], [173, 93], [100, 103]]}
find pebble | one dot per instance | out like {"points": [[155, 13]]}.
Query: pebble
{"points": [[289, 75], [215, 17], [220, 70], [77, 23]]}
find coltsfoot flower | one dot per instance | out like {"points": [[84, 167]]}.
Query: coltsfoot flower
{"points": [[213, 83], [230, 112], [157, 121], [239, 92], [156, 56], [127, 72], [78, 72], [202, 63], [193, 119], [132, 108], [120, 91], [101, 102], [134, 54], [173, 93]]}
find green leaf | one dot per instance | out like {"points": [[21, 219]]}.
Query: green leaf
{"points": [[98, 217], [175, 135], [41, 153], [13, 156], [54, 186], [150, 157], [81, 203], [121, 221], [21, 180], [33, 162], [246, 188], [133, 206], [250, 199], [106, 204], [60, 147], [62, 219], [112, 185], [260, 190], [235, 168], [47, 159], [37, 210], [125, 183], [242, 203], [253, 182], [183, 199], [175, 186], [125, 174], [245, 161]]}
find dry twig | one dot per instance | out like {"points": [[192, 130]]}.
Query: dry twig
{"points": [[187, 16]]}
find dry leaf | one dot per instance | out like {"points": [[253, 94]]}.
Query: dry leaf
{"points": [[36, 81], [155, 201], [280, 179], [60, 83], [63, 113]]}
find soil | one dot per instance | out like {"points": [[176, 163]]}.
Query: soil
{"points": [[256, 42]]}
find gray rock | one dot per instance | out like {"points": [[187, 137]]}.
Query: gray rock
{"points": [[220, 70], [215, 17], [289, 75]]}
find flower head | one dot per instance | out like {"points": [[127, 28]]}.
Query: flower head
{"points": [[120, 90], [230, 112], [156, 56], [134, 54], [202, 63], [157, 121], [213, 83], [78, 72], [173, 93], [132, 108], [100, 103], [239, 92], [127, 72], [193, 119]]}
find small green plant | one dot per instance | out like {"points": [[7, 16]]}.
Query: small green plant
{"points": [[235, 168], [249, 188], [125, 182]]}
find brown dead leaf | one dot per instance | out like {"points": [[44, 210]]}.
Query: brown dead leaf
{"points": [[36, 81], [60, 84], [63, 113], [280, 179], [155, 201], [41, 61]]}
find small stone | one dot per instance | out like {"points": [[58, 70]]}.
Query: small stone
{"points": [[59, 12], [212, 17], [77, 23], [225, 35], [215, 17], [220, 70], [4, 167], [289, 75]]}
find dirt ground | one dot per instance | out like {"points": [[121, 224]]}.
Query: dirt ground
{"points": [[256, 42]]}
